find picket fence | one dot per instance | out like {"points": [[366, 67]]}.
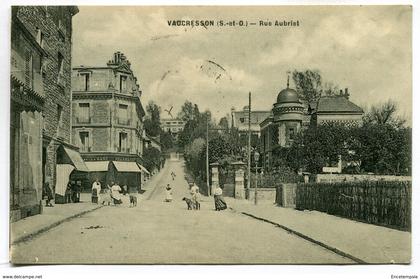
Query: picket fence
{"points": [[386, 203]]}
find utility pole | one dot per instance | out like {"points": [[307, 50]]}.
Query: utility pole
{"points": [[207, 154], [248, 185]]}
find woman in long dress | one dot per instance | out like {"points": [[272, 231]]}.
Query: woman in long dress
{"points": [[219, 202], [115, 193]]}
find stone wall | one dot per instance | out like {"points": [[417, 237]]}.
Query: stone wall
{"points": [[264, 194]]}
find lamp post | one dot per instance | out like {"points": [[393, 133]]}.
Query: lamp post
{"points": [[256, 158]]}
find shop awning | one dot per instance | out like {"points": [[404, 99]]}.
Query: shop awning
{"points": [[97, 165], [76, 159], [143, 169], [126, 166]]}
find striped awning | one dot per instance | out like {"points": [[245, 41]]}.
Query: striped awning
{"points": [[143, 169], [76, 159], [126, 166], [97, 165]]}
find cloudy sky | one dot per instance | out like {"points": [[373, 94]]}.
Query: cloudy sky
{"points": [[367, 49]]}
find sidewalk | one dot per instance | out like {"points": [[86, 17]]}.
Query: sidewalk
{"points": [[51, 217], [369, 243]]}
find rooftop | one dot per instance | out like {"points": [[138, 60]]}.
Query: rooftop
{"points": [[336, 104]]}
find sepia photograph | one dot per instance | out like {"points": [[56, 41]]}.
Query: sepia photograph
{"points": [[221, 135]]}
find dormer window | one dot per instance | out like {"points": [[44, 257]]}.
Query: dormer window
{"points": [[123, 83]]}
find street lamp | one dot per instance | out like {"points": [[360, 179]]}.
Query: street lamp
{"points": [[256, 158]]}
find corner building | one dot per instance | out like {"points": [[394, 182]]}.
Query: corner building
{"points": [[108, 121]]}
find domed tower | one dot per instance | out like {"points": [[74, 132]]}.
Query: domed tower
{"points": [[287, 115]]}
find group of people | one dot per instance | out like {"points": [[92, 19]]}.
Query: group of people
{"points": [[73, 191], [110, 194], [219, 201]]}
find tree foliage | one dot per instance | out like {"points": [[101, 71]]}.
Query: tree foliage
{"points": [[152, 120], [152, 158], [385, 113], [377, 148]]}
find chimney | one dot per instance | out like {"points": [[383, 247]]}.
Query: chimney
{"points": [[341, 92], [346, 93]]}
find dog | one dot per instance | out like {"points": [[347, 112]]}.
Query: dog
{"points": [[191, 204], [133, 200], [106, 197]]}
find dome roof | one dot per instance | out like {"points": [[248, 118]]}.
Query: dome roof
{"points": [[288, 95]]}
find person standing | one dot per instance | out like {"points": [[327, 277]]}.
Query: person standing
{"points": [[195, 194], [96, 190], [49, 194], [67, 196], [219, 202], [168, 193]]}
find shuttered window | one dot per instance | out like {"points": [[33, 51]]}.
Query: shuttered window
{"points": [[84, 113]]}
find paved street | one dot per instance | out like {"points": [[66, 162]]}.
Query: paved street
{"points": [[159, 232]]}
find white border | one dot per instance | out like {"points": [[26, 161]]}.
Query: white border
{"points": [[242, 271]]}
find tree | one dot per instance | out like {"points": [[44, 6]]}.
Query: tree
{"points": [[224, 123], [384, 113], [385, 149], [152, 158], [189, 111], [167, 140], [308, 84], [152, 121]]}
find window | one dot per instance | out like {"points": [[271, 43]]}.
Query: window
{"points": [[123, 114], [40, 37], [84, 141], [291, 133], [242, 120], [86, 81], [60, 78], [84, 113], [123, 83], [123, 143]]}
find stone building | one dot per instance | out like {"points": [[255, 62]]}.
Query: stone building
{"points": [[108, 121], [290, 114], [172, 125], [40, 102], [240, 120]]}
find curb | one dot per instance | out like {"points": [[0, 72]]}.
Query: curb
{"points": [[310, 239], [49, 227]]}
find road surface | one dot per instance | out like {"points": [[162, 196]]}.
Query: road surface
{"points": [[158, 232]]}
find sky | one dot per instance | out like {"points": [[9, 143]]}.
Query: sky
{"points": [[366, 49]]}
